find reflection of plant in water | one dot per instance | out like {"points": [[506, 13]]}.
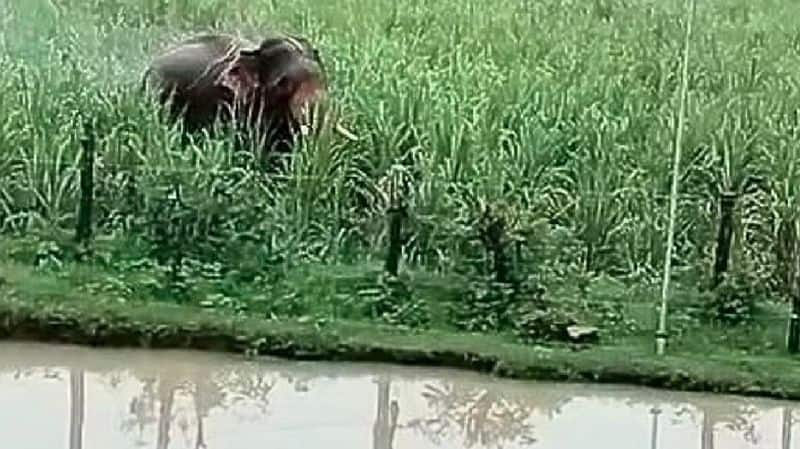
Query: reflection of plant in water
{"points": [[155, 403], [301, 383], [255, 388], [740, 419], [166, 396], [743, 422], [204, 396], [206, 393], [480, 416], [76, 384], [47, 373], [142, 409], [114, 379]]}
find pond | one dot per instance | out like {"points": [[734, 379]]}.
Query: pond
{"points": [[62, 396]]}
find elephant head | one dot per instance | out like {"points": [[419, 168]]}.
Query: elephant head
{"points": [[273, 87], [283, 78]]}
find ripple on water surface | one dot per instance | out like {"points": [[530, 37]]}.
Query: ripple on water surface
{"points": [[73, 397]]}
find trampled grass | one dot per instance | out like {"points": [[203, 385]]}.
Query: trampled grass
{"points": [[559, 113]]}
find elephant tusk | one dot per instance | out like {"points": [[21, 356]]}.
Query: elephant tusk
{"points": [[345, 132]]}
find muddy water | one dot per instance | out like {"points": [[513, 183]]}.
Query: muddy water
{"points": [[73, 397]]}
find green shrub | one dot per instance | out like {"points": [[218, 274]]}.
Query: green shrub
{"points": [[392, 301], [736, 299], [543, 322], [490, 306]]}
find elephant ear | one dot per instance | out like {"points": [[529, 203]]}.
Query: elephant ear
{"points": [[241, 74]]}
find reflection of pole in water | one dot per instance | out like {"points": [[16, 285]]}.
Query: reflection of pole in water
{"points": [[200, 441], [76, 412], [386, 417], [655, 411], [707, 432], [786, 430], [166, 395]]}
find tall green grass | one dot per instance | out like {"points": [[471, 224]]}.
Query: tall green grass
{"points": [[561, 112]]}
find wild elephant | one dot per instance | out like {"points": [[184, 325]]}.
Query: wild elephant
{"points": [[272, 88]]}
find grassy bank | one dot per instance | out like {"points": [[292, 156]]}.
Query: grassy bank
{"points": [[43, 306]]}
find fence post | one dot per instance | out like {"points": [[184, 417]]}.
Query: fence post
{"points": [[793, 334], [396, 214], [494, 235], [724, 235], [83, 228], [788, 252]]}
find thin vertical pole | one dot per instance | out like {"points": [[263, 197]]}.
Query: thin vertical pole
{"points": [[661, 334]]}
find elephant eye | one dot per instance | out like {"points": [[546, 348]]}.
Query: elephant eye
{"points": [[284, 83]]}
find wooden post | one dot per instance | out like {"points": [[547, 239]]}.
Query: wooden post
{"points": [[83, 228], [788, 251], [495, 240], [793, 334], [177, 233], [396, 214], [724, 235]]}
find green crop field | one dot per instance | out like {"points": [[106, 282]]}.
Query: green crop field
{"points": [[530, 143]]}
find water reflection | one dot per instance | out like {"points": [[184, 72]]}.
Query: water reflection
{"points": [[655, 412], [478, 416], [386, 416], [786, 427], [174, 400], [76, 399]]}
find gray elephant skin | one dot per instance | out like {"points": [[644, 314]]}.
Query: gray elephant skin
{"points": [[272, 88]]}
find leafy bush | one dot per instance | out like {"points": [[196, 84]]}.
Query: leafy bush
{"points": [[277, 303], [490, 306], [484, 307], [735, 300], [611, 317], [604, 305], [220, 301], [391, 301], [542, 322]]}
